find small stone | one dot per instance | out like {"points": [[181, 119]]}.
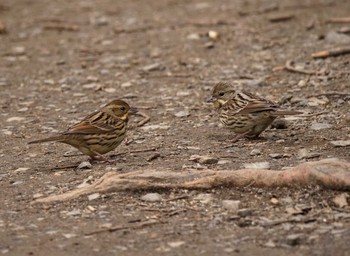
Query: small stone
{"points": [[255, 152], [18, 50], [204, 198], [204, 159], [257, 165], [184, 113], [320, 126], [334, 37], [279, 124], [305, 154], [153, 127], [74, 212], [340, 143], [110, 90], [49, 81], [341, 200], [294, 239], [270, 244], [276, 155], [68, 236], [213, 35], [153, 67], [274, 201], [193, 36], [176, 244], [84, 165], [21, 169], [15, 119], [152, 197], [93, 196], [231, 205], [93, 86], [126, 85], [209, 45], [224, 161], [37, 195], [245, 212]]}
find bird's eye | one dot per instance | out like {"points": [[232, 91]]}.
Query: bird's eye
{"points": [[221, 94], [122, 108]]}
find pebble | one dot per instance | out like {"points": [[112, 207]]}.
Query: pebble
{"points": [[153, 67], [255, 152], [274, 201], [305, 154], [193, 36], [231, 205], [84, 165], [320, 126], [15, 119], [37, 195], [204, 159], [21, 169], [74, 212], [152, 197], [276, 155], [223, 162], [176, 244], [294, 239], [126, 84], [245, 212], [93, 196], [70, 235], [341, 200], [204, 198], [214, 35], [184, 113], [153, 127], [18, 50], [334, 37], [340, 143], [257, 165]]}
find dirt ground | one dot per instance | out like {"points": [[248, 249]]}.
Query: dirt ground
{"points": [[61, 60]]}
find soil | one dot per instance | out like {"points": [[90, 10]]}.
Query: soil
{"points": [[61, 60]]}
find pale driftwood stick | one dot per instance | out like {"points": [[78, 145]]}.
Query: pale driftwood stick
{"points": [[329, 173]]}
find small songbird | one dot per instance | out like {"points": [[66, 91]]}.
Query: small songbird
{"points": [[99, 132], [244, 113]]}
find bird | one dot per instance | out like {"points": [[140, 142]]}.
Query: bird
{"points": [[245, 113], [98, 133]]}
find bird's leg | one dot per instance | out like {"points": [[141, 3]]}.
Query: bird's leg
{"points": [[239, 136], [99, 157]]}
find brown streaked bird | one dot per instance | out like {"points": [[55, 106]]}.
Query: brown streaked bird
{"points": [[244, 113], [99, 132]]}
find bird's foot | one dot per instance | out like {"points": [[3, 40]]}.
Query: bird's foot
{"points": [[101, 158]]}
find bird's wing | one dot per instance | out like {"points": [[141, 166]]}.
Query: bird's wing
{"points": [[257, 106], [98, 122]]}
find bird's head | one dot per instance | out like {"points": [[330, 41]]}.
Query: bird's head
{"points": [[222, 93], [120, 109]]}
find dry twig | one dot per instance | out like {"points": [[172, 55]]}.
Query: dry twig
{"points": [[289, 66], [339, 20], [331, 53]]}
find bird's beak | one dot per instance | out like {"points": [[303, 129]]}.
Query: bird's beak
{"points": [[132, 111], [210, 99]]}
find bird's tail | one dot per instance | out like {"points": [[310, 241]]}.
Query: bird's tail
{"points": [[54, 138], [285, 112]]}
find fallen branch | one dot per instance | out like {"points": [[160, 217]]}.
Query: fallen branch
{"points": [[333, 52], [329, 173], [289, 67]]}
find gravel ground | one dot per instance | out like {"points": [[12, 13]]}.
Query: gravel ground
{"points": [[61, 60]]}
